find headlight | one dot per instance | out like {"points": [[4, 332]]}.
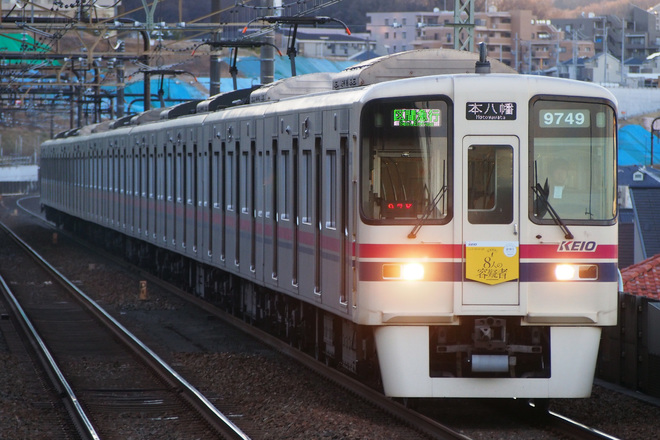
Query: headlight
{"points": [[566, 272], [412, 272], [407, 272]]}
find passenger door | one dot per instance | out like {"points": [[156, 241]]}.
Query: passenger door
{"points": [[491, 219]]}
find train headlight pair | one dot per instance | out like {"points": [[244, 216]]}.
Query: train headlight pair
{"points": [[406, 271], [570, 272]]}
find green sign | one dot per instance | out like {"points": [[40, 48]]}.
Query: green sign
{"points": [[417, 117]]}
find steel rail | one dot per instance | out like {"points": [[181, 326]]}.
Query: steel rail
{"points": [[216, 419], [78, 416], [576, 429], [426, 425], [418, 421]]}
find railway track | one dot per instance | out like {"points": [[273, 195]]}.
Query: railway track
{"points": [[426, 425], [65, 395], [575, 429], [113, 385]]}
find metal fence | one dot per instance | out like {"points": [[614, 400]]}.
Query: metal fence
{"points": [[630, 352]]}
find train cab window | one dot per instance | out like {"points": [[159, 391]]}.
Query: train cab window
{"points": [[572, 161], [490, 184], [405, 161]]}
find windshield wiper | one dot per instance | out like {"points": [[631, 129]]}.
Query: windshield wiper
{"points": [[429, 210], [541, 193]]}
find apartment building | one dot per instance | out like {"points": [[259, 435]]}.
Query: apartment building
{"points": [[516, 38], [636, 35]]}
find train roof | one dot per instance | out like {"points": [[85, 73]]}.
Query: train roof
{"points": [[410, 64], [226, 99], [414, 63], [293, 86]]}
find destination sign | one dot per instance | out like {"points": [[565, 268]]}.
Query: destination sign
{"points": [[416, 117], [490, 111]]}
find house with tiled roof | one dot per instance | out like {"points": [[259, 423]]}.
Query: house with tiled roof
{"points": [[643, 278]]}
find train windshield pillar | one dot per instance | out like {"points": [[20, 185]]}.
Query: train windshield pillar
{"points": [[405, 161], [573, 162]]}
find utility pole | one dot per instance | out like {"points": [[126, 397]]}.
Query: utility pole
{"points": [[121, 100], [623, 52], [575, 56], [214, 87], [464, 23], [268, 50], [121, 48], [517, 53], [605, 76], [147, 47]]}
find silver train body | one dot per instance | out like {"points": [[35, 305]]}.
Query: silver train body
{"points": [[461, 227]]}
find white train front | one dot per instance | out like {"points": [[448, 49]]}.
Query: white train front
{"points": [[460, 227]]}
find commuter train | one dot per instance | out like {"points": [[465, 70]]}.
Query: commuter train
{"points": [[430, 219]]}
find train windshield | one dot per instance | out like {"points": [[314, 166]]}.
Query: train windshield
{"points": [[405, 162], [572, 161]]}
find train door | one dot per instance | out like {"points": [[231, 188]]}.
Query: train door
{"points": [[246, 186], [308, 233], [114, 161], [75, 196], [332, 261], [258, 191], [179, 196], [151, 190], [122, 183], [204, 219], [143, 180], [191, 193], [270, 205], [105, 171], [217, 229], [231, 195], [491, 221], [169, 196], [160, 193], [130, 188], [287, 204], [202, 202]]}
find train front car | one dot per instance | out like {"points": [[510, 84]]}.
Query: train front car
{"points": [[486, 251]]}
